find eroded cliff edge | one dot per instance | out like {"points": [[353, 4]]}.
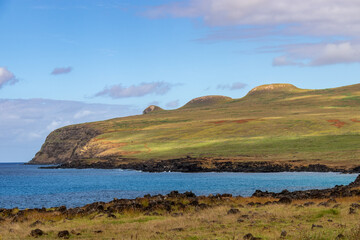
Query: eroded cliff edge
{"points": [[64, 145]]}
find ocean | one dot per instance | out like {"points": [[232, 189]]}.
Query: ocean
{"points": [[27, 186]]}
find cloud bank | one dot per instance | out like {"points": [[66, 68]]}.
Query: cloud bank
{"points": [[325, 21], [173, 104], [233, 86], [26, 123], [6, 77], [61, 70], [319, 54], [118, 91]]}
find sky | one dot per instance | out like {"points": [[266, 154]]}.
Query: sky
{"points": [[71, 61]]}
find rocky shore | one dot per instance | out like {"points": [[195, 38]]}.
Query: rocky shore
{"points": [[50, 222], [338, 191], [174, 200], [190, 165]]}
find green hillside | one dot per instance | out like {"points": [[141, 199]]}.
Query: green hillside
{"points": [[276, 122]]}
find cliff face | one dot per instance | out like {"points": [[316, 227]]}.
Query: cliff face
{"points": [[152, 108], [64, 145]]}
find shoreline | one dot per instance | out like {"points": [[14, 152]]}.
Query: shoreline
{"points": [[331, 213], [190, 165], [350, 190]]}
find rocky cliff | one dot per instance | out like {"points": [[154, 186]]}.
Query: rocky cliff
{"points": [[64, 144], [152, 108]]}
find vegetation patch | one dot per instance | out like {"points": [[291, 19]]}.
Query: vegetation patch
{"points": [[336, 123]]}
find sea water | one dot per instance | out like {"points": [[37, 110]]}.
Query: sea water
{"points": [[27, 186]]}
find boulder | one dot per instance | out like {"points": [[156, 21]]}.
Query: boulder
{"points": [[285, 200], [233, 211], [36, 233], [64, 234]]}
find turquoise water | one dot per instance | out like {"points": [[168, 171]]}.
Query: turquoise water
{"points": [[26, 186]]}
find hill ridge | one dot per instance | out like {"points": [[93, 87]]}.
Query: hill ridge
{"points": [[291, 126], [207, 100]]}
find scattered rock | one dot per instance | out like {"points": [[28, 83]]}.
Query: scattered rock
{"points": [[307, 204], [283, 234], [285, 200], [194, 203], [36, 233], [34, 224], [248, 236], [340, 236], [202, 206], [75, 233], [324, 204], [316, 226], [189, 194], [352, 211], [64, 234], [355, 205], [177, 214], [227, 195], [61, 209], [240, 220], [233, 211], [100, 208], [178, 229]]}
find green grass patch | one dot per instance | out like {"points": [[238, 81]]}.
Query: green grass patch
{"points": [[327, 213], [137, 220]]}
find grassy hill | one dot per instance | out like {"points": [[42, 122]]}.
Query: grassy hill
{"points": [[277, 122]]}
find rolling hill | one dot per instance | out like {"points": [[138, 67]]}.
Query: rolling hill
{"points": [[276, 123]]}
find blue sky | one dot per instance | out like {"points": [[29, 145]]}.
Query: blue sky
{"points": [[123, 55]]}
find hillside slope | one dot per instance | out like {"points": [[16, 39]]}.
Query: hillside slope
{"points": [[273, 123]]}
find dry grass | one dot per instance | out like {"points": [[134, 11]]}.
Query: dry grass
{"points": [[265, 221]]}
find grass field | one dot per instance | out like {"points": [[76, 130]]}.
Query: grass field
{"points": [[273, 122], [300, 221]]}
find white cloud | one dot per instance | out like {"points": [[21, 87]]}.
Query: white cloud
{"points": [[233, 86], [118, 91], [283, 61], [56, 124], [156, 103], [319, 54], [324, 21], [325, 17], [61, 70], [28, 122], [34, 135], [6, 77], [173, 104], [83, 113]]}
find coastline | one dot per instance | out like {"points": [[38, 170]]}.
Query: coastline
{"points": [[191, 165], [330, 213], [350, 190]]}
